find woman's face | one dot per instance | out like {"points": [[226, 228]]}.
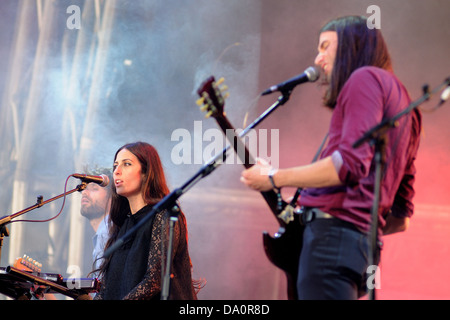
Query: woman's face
{"points": [[127, 175]]}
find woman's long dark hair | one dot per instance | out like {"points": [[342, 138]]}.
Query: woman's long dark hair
{"points": [[358, 46], [154, 188]]}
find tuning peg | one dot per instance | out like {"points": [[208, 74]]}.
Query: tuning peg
{"points": [[220, 81], [221, 88], [220, 85], [209, 114], [200, 101]]}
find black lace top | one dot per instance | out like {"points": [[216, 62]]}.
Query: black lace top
{"points": [[135, 269]]}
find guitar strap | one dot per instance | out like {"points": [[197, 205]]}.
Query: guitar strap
{"points": [[293, 202]]}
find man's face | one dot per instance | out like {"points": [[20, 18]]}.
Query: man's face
{"points": [[328, 42], [94, 200]]}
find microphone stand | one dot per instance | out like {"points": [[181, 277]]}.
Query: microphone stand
{"points": [[169, 201], [377, 137], [4, 232], [166, 278]]}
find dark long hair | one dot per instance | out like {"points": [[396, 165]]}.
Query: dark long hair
{"points": [[154, 188], [358, 46]]}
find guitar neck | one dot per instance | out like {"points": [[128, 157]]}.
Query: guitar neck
{"points": [[248, 161], [237, 143], [212, 101]]}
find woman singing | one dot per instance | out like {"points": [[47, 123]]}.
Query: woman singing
{"points": [[133, 271]]}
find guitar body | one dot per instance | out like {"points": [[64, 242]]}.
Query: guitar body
{"points": [[284, 248]]}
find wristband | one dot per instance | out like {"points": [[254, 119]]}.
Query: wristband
{"points": [[277, 190], [271, 173]]}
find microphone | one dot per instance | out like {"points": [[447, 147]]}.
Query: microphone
{"points": [[102, 180], [309, 75], [444, 96]]}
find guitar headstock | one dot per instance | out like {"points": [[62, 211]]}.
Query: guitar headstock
{"points": [[211, 99], [27, 264]]}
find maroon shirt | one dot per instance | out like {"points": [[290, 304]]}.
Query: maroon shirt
{"points": [[370, 95]]}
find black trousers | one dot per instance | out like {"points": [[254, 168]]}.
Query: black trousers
{"points": [[334, 261]]}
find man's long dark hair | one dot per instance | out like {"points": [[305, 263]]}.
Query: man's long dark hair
{"points": [[358, 46]]}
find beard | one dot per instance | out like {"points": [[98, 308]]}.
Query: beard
{"points": [[92, 211]]}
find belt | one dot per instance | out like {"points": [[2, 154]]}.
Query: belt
{"points": [[309, 214]]}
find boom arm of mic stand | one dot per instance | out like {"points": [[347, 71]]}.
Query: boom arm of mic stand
{"points": [[39, 203], [387, 124]]}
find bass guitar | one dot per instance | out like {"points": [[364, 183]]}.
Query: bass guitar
{"points": [[283, 249]]}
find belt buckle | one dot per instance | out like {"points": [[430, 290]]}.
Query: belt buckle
{"points": [[307, 215]]}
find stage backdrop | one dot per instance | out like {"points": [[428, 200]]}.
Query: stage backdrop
{"points": [[80, 78]]}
